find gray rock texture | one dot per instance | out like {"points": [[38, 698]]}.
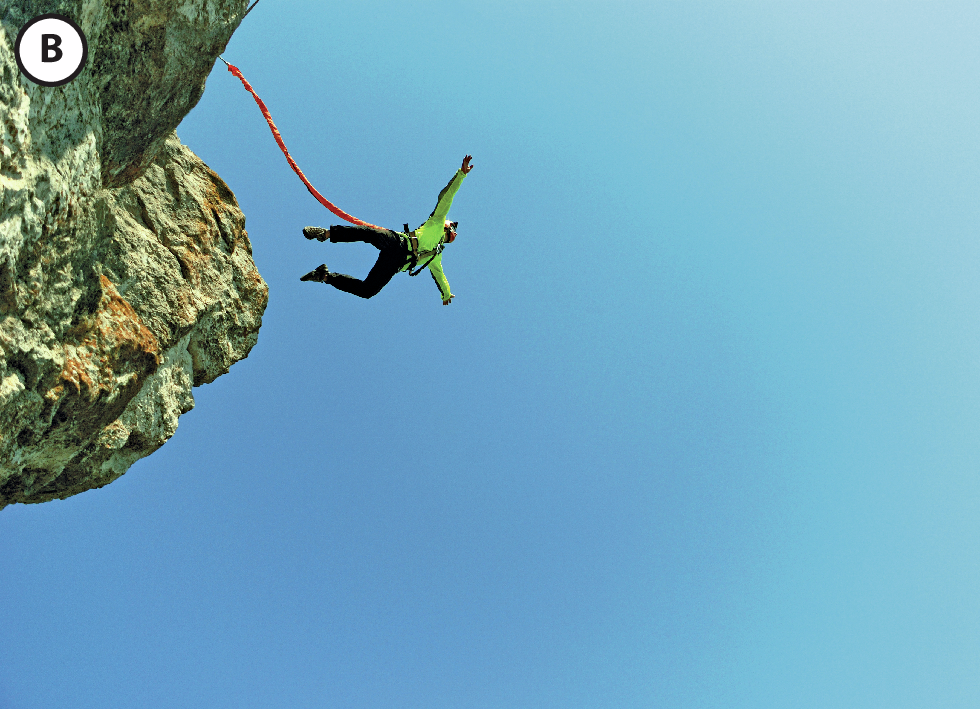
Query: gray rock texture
{"points": [[126, 275]]}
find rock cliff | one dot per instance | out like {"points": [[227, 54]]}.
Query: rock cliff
{"points": [[126, 275]]}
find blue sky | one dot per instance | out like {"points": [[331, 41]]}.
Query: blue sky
{"points": [[699, 430]]}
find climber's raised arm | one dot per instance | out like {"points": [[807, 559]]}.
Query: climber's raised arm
{"points": [[438, 215]]}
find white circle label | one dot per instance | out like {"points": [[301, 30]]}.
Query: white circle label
{"points": [[51, 50]]}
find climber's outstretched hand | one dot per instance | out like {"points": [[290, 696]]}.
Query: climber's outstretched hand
{"points": [[449, 300], [466, 165]]}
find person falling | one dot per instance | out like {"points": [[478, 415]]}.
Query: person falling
{"points": [[398, 252]]}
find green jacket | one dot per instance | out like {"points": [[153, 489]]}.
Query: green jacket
{"points": [[432, 235]]}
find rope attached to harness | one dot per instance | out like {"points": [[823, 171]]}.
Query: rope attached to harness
{"points": [[292, 163]]}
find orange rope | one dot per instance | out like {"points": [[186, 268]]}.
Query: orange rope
{"points": [[292, 163]]}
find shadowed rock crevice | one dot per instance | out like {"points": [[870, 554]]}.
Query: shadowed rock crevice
{"points": [[126, 275]]}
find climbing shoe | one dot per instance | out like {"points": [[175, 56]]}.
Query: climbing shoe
{"points": [[315, 232], [319, 274]]}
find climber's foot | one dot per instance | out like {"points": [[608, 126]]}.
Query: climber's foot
{"points": [[315, 232], [318, 274]]}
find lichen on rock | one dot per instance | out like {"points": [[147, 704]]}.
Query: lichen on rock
{"points": [[126, 275]]}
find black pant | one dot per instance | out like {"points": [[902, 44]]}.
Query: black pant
{"points": [[393, 256]]}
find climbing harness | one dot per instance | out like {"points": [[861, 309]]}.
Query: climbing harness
{"points": [[413, 248], [422, 267], [282, 146]]}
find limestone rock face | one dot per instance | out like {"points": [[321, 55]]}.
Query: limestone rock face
{"points": [[126, 275]]}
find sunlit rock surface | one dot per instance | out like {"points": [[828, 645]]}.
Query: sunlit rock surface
{"points": [[126, 275]]}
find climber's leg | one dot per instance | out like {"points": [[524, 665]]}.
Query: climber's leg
{"points": [[390, 262], [378, 238]]}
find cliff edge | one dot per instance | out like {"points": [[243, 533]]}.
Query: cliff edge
{"points": [[126, 275]]}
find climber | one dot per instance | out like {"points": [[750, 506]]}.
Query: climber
{"points": [[398, 251]]}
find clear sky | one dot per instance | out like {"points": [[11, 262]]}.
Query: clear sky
{"points": [[699, 430]]}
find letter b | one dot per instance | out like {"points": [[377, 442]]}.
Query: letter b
{"points": [[51, 48]]}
